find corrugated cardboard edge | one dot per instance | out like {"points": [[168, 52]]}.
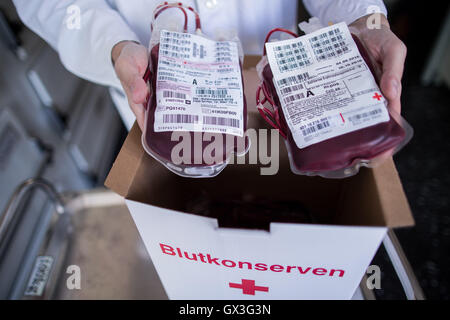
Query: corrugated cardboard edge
{"points": [[127, 163], [359, 206], [393, 201], [250, 61]]}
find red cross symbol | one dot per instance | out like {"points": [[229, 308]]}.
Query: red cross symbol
{"points": [[248, 287], [377, 96]]}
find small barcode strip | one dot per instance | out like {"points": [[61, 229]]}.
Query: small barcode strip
{"points": [[173, 94], [174, 54], [292, 88], [223, 59], [293, 79], [223, 54], [364, 115], [162, 78], [315, 128], [225, 70], [326, 53], [221, 121], [174, 48], [180, 118], [218, 92], [294, 97]]}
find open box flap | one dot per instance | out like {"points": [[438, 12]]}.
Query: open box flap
{"points": [[127, 163], [374, 197], [394, 203], [378, 190]]}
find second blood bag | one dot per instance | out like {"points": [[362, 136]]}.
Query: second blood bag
{"points": [[327, 104], [196, 114]]}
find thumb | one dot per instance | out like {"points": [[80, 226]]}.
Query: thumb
{"points": [[138, 89], [130, 67], [392, 59], [391, 88], [390, 85]]}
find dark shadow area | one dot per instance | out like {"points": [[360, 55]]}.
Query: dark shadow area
{"points": [[423, 164]]}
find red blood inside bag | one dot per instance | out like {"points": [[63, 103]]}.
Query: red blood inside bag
{"points": [[331, 157], [160, 144]]}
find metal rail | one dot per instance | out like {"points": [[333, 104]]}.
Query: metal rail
{"points": [[16, 201], [55, 247], [404, 271]]}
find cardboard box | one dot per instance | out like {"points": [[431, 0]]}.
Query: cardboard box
{"points": [[196, 258]]}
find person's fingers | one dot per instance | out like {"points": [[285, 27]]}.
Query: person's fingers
{"points": [[138, 90], [131, 79], [139, 112], [392, 94], [392, 56], [130, 67], [138, 107]]}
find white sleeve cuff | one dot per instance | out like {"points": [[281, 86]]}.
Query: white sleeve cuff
{"points": [[86, 51], [335, 11]]}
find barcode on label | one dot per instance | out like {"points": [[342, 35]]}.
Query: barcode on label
{"points": [[198, 50], [174, 54], [211, 92], [162, 78], [223, 54], [225, 70], [297, 96], [223, 59], [168, 63], [364, 115], [291, 56], [329, 44], [221, 121], [292, 88], [173, 94], [167, 74], [315, 128], [173, 34], [180, 118], [293, 79], [167, 46], [223, 44], [181, 42]]}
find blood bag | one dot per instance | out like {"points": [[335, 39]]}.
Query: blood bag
{"points": [[196, 114], [326, 103]]}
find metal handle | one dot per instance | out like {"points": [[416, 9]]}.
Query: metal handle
{"points": [[9, 37], [16, 200], [402, 267]]}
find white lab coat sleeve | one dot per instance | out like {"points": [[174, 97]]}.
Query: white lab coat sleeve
{"points": [[84, 49], [335, 11]]}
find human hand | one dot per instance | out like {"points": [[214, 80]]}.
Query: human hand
{"points": [[389, 52], [130, 61]]}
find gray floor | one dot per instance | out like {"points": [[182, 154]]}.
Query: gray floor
{"points": [[113, 261]]}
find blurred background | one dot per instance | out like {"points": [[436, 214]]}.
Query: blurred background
{"points": [[422, 165], [56, 126]]}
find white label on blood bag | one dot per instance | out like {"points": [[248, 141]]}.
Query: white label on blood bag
{"points": [[325, 87], [199, 85]]}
